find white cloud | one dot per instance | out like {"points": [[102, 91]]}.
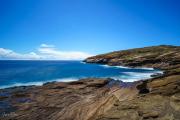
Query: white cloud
{"points": [[48, 46], [44, 52], [9, 54]]}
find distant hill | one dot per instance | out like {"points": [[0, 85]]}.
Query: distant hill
{"points": [[163, 57]]}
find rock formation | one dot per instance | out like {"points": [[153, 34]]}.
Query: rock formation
{"points": [[158, 98], [104, 99]]}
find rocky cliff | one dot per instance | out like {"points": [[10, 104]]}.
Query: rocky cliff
{"points": [[104, 99], [163, 57], [158, 98]]}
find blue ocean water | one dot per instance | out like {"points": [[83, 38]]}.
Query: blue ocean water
{"points": [[22, 73]]}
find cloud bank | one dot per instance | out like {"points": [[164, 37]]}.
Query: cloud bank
{"points": [[44, 52]]}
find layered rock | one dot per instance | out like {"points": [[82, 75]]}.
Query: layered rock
{"points": [[155, 98], [79, 100], [104, 99], [162, 57]]}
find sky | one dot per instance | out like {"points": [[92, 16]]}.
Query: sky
{"points": [[76, 29]]}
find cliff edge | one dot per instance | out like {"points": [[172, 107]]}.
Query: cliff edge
{"points": [[104, 99]]}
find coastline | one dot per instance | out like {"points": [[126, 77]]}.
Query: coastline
{"points": [[103, 99], [146, 76], [39, 83]]}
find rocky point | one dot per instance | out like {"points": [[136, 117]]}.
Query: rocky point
{"points": [[104, 99]]}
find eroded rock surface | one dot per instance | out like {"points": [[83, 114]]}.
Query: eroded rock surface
{"points": [[162, 57], [104, 99], [155, 97]]}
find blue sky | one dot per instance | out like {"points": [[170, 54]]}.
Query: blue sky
{"points": [[85, 27]]}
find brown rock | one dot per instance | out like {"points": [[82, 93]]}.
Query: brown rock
{"points": [[94, 99]]}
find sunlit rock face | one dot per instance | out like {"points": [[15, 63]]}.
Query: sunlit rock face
{"points": [[163, 57], [105, 99]]}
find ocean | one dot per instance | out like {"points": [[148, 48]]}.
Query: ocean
{"points": [[24, 73]]}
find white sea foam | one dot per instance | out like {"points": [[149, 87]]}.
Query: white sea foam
{"points": [[83, 62], [144, 68], [127, 77], [138, 74], [134, 76], [22, 84], [39, 83], [125, 80], [160, 72], [66, 79], [121, 67], [108, 66]]}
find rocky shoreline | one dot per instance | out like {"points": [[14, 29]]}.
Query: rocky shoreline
{"points": [[104, 99]]}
